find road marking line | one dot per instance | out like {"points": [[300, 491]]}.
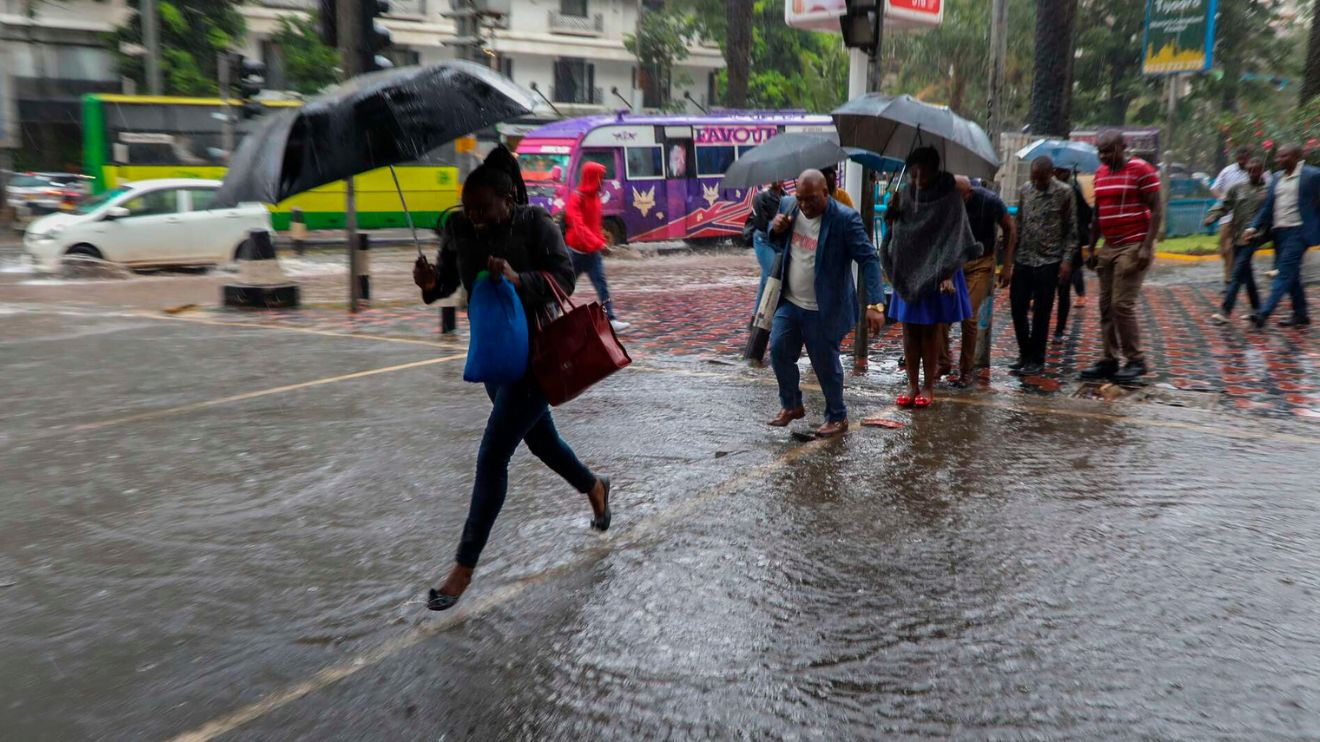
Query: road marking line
{"points": [[154, 414], [304, 330], [327, 676], [1024, 406]]}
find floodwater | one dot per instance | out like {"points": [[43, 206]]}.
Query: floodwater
{"points": [[1001, 567]]}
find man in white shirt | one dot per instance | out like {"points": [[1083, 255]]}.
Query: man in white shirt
{"points": [[1230, 176], [821, 239], [1291, 214]]}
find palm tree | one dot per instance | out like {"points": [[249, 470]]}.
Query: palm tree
{"points": [[1311, 81], [738, 51], [1051, 89]]}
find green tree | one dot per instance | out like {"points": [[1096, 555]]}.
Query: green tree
{"points": [[191, 36], [661, 42], [738, 51], [309, 64]]}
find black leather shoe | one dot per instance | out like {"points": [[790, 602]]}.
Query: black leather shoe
{"points": [[1295, 322], [1018, 364], [1101, 370], [1256, 321], [1131, 372], [603, 522], [1032, 369]]}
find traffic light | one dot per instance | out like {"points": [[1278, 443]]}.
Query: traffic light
{"points": [[375, 37], [246, 79], [858, 24]]}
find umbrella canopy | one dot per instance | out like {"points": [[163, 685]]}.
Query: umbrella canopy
{"points": [[1066, 154], [784, 157], [893, 126], [869, 159], [374, 120]]}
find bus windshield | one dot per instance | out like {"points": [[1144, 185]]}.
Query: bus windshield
{"points": [[544, 165], [95, 202]]}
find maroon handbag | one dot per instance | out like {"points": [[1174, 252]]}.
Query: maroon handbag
{"points": [[574, 350]]}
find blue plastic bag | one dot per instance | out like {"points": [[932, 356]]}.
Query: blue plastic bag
{"points": [[498, 348]]}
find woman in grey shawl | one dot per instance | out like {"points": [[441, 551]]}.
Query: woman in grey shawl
{"points": [[929, 240]]}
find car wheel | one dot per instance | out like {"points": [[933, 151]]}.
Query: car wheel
{"points": [[84, 251], [615, 233]]}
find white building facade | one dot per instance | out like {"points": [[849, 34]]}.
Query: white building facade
{"points": [[570, 51]]}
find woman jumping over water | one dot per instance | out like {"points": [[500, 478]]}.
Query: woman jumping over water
{"points": [[497, 231]]}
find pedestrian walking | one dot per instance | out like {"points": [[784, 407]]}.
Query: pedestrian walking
{"points": [[764, 207], [1083, 212], [1235, 173], [1127, 206], [988, 216], [497, 231], [1291, 214], [835, 190], [929, 241], [1240, 205], [585, 234], [820, 240], [1047, 236]]}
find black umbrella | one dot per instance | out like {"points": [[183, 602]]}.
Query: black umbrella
{"points": [[894, 126], [372, 121], [784, 157]]}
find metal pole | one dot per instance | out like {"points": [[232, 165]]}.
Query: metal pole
{"points": [[150, 20], [994, 119], [1171, 89], [350, 59], [406, 214], [874, 78], [227, 126]]}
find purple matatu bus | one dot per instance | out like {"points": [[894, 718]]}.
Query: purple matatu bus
{"points": [[662, 173]]}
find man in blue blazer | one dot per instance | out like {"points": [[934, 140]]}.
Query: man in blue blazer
{"points": [[819, 239], [1292, 213]]}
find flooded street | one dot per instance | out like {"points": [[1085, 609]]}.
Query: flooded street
{"points": [[222, 526]]}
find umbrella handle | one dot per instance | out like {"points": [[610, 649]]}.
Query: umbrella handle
{"points": [[406, 214]]}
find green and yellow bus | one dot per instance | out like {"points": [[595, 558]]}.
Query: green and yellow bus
{"points": [[137, 137]]}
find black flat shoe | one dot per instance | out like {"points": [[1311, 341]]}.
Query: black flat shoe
{"points": [[438, 601], [603, 522]]}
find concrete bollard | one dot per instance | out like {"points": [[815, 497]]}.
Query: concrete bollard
{"points": [[298, 230], [261, 281]]}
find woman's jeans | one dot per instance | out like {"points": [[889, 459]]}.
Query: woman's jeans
{"points": [[520, 414], [592, 264], [765, 257]]}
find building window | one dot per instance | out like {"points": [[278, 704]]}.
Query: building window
{"points": [[577, 8], [575, 81], [402, 57], [506, 67], [712, 88]]}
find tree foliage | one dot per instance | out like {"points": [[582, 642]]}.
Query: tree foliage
{"points": [[660, 44], [191, 35], [309, 64]]}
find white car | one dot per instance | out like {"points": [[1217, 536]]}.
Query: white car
{"points": [[147, 223]]}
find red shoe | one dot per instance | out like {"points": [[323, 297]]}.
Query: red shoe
{"points": [[904, 400], [921, 403]]}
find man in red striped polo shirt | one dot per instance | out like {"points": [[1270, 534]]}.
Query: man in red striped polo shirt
{"points": [[1127, 210]]}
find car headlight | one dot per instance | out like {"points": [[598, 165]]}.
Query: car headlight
{"points": [[52, 234]]}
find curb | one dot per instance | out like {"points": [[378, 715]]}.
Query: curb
{"points": [[1181, 258]]}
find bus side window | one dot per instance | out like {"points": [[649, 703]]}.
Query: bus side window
{"points": [[645, 163], [713, 161], [604, 157]]}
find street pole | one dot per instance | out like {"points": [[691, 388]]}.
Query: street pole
{"points": [[1171, 89], [347, 16], [994, 119], [226, 126], [872, 81], [151, 40]]}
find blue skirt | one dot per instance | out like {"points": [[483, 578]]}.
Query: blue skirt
{"points": [[935, 307]]}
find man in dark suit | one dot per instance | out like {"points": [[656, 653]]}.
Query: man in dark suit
{"points": [[1291, 213], [820, 239]]}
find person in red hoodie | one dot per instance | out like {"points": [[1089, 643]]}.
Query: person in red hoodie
{"points": [[585, 235]]}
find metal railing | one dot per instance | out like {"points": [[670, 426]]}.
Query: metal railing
{"points": [[576, 25]]}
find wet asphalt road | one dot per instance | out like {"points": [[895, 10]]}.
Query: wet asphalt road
{"points": [[177, 557]]}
